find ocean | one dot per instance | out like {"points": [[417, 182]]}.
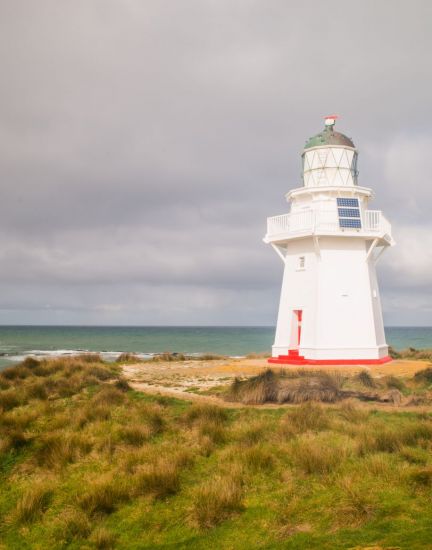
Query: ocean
{"points": [[18, 341]]}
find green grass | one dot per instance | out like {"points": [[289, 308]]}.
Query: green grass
{"points": [[86, 462]]}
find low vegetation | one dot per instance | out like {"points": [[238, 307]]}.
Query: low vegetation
{"points": [[86, 462]]}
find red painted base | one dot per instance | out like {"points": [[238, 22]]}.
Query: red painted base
{"points": [[293, 358]]}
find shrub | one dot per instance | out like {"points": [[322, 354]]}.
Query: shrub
{"points": [[33, 502], [216, 500]]}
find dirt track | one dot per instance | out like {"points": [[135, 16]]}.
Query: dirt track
{"points": [[184, 378]]}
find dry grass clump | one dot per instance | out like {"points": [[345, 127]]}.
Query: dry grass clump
{"points": [[349, 412], [33, 502], [216, 500], [304, 418], [394, 383], [103, 539], [56, 450], [287, 387], [366, 379], [200, 412], [257, 458], [424, 376], [127, 357], [103, 495], [11, 398], [209, 421], [159, 478], [317, 455], [422, 476], [72, 523], [356, 504], [93, 413], [412, 353], [136, 434], [108, 395], [167, 357], [389, 440]]}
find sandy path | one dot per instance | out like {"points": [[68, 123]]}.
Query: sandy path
{"points": [[177, 379]]}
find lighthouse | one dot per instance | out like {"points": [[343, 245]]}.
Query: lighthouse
{"points": [[329, 242]]}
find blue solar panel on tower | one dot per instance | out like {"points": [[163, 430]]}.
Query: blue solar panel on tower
{"points": [[348, 202], [349, 212], [353, 223]]}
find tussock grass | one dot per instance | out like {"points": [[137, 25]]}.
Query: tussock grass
{"points": [[157, 470], [287, 387], [11, 398], [356, 506], [351, 413], [33, 502], [306, 417], [103, 495], [216, 500], [159, 478], [392, 382], [103, 539], [200, 412], [365, 378], [424, 376], [72, 523], [136, 434], [314, 454]]}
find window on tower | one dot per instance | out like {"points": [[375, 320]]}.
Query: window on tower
{"points": [[349, 213], [301, 262]]}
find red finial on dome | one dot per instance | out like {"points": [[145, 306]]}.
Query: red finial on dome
{"points": [[330, 120]]}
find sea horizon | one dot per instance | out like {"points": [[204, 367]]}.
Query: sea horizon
{"points": [[19, 341]]}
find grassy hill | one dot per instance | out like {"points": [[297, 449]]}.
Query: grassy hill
{"points": [[86, 462]]}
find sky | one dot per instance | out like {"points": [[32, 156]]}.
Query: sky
{"points": [[143, 143]]}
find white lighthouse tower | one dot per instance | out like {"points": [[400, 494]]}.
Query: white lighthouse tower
{"points": [[329, 242]]}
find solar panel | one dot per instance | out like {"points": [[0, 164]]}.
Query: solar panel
{"points": [[350, 223], [348, 202], [349, 212]]}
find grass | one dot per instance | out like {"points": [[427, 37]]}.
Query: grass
{"points": [[86, 462]]}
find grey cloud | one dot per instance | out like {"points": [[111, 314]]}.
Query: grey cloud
{"points": [[143, 144]]}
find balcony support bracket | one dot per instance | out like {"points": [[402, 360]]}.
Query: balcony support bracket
{"points": [[371, 249], [278, 250], [317, 246]]}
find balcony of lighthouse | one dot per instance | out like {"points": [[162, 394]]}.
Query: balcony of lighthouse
{"points": [[308, 222]]}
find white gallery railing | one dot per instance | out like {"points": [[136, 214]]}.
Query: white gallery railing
{"points": [[372, 221]]}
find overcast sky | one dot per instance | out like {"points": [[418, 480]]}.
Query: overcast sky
{"points": [[143, 144]]}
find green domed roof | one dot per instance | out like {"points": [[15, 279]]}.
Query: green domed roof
{"points": [[329, 137]]}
